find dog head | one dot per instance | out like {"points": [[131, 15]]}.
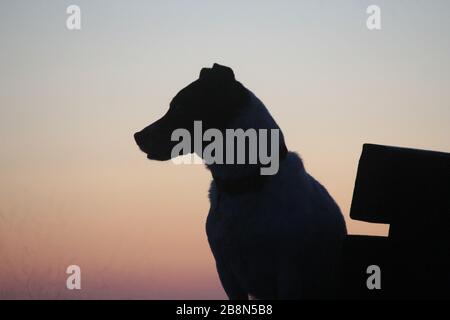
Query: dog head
{"points": [[215, 99]]}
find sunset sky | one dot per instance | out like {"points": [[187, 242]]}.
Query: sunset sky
{"points": [[75, 189]]}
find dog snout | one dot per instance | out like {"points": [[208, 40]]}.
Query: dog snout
{"points": [[138, 138], [142, 140], [154, 142]]}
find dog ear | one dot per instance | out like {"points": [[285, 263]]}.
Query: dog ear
{"points": [[223, 72], [218, 73]]}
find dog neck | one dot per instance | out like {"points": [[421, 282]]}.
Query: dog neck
{"points": [[243, 178], [245, 183]]}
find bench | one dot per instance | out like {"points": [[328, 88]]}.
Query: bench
{"points": [[408, 189]]}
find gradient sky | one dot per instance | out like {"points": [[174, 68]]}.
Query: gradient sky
{"points": [[74, 188]]}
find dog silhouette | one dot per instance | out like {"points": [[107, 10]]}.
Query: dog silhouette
{"points": [[272, 236]]}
